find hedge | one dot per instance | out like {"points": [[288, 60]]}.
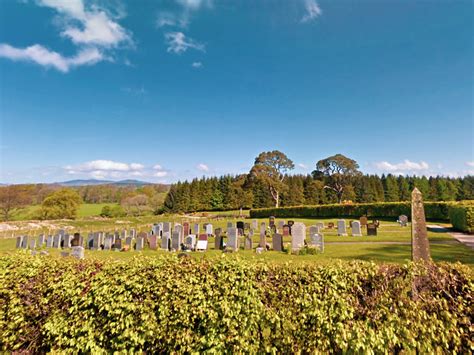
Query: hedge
{"points": [[167, 304], [462, 217], [433, 210]]}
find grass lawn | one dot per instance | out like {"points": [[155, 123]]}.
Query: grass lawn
{"points": [[443, 246], [86, 210]]}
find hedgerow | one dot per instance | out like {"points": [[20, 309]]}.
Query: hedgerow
{"points": [[462, 217], [169, 304], [433, 210]]}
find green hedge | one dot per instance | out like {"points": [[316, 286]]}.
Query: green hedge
{"points": [[163, 305], [462, 217], [433, 210]]}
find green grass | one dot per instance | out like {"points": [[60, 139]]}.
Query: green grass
{"points": [[85, 210], [443, 246]]}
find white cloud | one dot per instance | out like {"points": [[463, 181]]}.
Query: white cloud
{"points": [[179, 43], [170, 19], [103, 166], [160, 174], [302, 166], [312, 9], [92, 29], [470, 163], [194, 4], [47, 58], [403, 167], [157, 167], [197, 65], [202, 167], [96, 26]]}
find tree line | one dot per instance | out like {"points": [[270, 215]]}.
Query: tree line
{"points": [[336, 179]]}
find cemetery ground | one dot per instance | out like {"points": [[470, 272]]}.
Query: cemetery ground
{"points": [[391, 245]]}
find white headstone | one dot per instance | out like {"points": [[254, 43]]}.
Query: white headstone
{"points": [[209, 229], [201, 245], [77, 252]]}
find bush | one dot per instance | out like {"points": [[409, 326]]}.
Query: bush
{"points": [[433, 210], [462, 217], [163, 305], [62, 203], [114, 211]]}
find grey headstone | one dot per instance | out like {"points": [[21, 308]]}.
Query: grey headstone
{"points": [[176, 240], [140, 243], [254, 224], [403, 220], [32, 243], [19, 241], [49, 241], [41, 240], [341, 228], [190, 241], [317, 240], [298, 235], [356, 230], [263, 235], [248, 243], [77, 252], [277, 242], [165, 241], [209, 229], [196, 228], [232, 238]]}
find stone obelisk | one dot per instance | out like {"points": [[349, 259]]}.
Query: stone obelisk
{"points": [[420, 247]]}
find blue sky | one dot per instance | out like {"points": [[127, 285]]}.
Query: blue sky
{"points": [[162, 90]]}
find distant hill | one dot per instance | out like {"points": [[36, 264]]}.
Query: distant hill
{"points": [[91, 182]]}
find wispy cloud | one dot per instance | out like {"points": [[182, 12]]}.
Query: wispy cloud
{"points": [[202, 167], [470, 163], [196, 65], [179, 43], [302, 166], [40, 55], [194, 4], [92, 29], [313, 11], [406, 166]]}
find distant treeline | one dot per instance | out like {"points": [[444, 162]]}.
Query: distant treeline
{"points": [[233, 192]]}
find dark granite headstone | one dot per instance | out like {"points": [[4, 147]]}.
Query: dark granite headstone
{"points": [[277, 242]]}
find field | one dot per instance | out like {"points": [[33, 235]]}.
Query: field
{"points": [[85, 210], [391, 245]]}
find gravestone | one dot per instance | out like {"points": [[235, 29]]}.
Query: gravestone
{"points": [[118, 244], [176, 240], [76, 240], [277, 242], [190, 241], [313, 230], [363, 220], [331, 225], [254, 224], [202, 242], [19, 241], [240, 227], [25, 242], [128, 242], [298, 235], [320, 225], [67, 241], [271, 221], [140, 243], [232, 238], [218, 241], [167, 228], [41, 240], [246, 226], [280, 225], [124, 234], [166, 241], [109, 240], [133, 233], [317, 240], [49, 241], [96, 242], [371, 229], [196, 229], [263, 235], [209, 229], [57, 241], [341, 228], [248, 243], [230, 225], [286, 230], [152, 240], [186, 229], [77, 252], [179, 229], [355, 228], [420, 247], [403, 220]]}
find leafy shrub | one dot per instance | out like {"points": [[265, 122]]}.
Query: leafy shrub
{"points": [[163, 305], [462, 217], [433, 210], [63, 203], [114, 211]]}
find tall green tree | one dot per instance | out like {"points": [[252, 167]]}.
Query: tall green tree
{"points": [[270, 169], [339, 171], [62, 203]]}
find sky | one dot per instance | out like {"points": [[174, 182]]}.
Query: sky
{"points": [[166, 90]]}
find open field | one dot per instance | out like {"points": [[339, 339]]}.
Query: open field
{"points": [[392, 244], [85, 210]]}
